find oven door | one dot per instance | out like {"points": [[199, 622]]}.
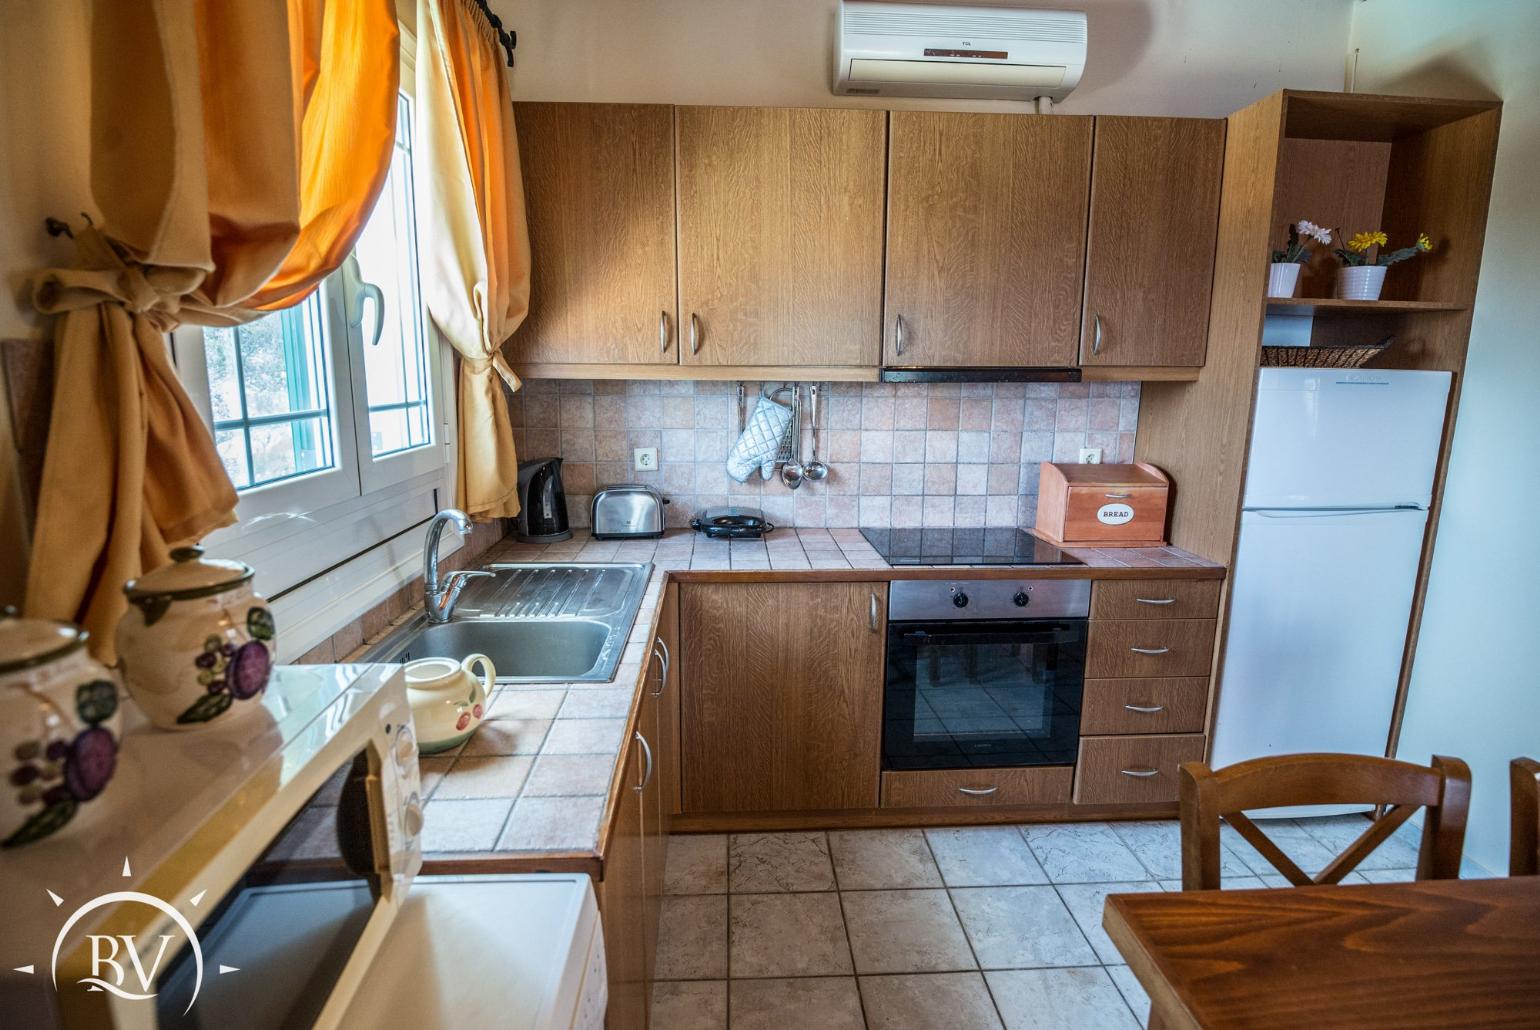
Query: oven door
{"points": [[964, 694]]}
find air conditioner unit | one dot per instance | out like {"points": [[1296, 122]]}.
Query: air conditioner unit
{"points": [[938, 50]]}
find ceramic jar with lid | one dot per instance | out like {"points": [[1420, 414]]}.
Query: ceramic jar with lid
{"points": [[196, 644], [60, 727]]}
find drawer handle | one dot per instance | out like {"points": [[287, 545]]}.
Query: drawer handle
{"points": [[977, 792], [1119, 496], [1150, 650], [1155, 600], [1141, 774], [1145, 709]]}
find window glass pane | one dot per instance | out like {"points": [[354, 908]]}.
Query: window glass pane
{"points": [[396, 366], [261, 375]]}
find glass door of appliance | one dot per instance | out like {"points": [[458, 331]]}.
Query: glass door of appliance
{"points": [[980, 694]]}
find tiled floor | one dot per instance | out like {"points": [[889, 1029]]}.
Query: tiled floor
{"points": [[962, 929]]}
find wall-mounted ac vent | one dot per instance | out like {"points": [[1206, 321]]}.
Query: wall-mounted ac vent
{"points": [[933, 50]]}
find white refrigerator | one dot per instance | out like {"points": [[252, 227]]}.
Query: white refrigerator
{"points": [[1335, 507]]}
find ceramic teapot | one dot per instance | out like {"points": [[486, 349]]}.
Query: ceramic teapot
{"points": [[448, 701], [196, 644], [60, 727]]}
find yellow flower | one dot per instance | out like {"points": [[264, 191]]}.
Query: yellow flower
{"points": [[1364, 240], [1423, 243]]}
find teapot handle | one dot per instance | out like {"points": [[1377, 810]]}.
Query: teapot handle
{"points": [[488, 671]]}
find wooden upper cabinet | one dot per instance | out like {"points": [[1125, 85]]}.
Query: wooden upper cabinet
{"points": [[780, 235], [781, 695], [986, 233], [599, 191], [1150, 250]]}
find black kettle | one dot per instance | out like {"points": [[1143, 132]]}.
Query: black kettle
{"points": [[542, 503]]}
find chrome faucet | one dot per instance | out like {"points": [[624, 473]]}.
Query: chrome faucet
{"points": [[439, 597]]}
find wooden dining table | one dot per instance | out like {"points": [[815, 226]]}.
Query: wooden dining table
{"points": [[1436, 953]]}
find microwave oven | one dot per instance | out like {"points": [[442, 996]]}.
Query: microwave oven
{"points": [[242, 876]]}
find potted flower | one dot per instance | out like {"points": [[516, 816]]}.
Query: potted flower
{"points": [[1283, 276], [1362, 274]]}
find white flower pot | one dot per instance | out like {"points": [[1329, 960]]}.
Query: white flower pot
{"points": [[1360, 282], [1283, 278]]}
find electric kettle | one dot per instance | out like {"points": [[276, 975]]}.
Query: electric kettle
{"points": [[542, 503]]}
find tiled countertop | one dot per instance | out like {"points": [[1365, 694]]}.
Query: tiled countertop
{"points": [[530, 789]]}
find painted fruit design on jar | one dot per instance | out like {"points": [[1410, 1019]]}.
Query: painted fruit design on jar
{"points": [[230, 670], [58, 772]]}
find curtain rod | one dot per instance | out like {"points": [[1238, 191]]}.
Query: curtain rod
{"points": [[509, 40]]}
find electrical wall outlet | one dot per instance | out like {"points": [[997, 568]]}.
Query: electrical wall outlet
{"points": [[645, 459], [1088, 456]]}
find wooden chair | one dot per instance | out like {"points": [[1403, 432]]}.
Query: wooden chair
{"points": [[1524, 795], [1323, 779]]}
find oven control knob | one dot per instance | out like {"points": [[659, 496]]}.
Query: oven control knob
{"points": [[1021, 599], [960, 599]]}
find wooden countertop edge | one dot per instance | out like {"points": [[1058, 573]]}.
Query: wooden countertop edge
{"points": [[947, 572]]}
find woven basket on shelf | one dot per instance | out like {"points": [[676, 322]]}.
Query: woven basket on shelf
{"points": [[1318, 357]]}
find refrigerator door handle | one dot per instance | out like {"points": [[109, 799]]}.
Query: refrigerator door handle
{"points": [[1322, 513]]}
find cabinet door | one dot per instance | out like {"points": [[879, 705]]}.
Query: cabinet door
{"points": [[666, 670], [599, 192], [654, 834], [780, 235], [782, 702], [624, 905], [1150, 252], [986, 238]]}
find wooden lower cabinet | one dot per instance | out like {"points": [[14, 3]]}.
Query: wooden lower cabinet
{"points": [[965, 788], [1149, 647], [1133, 770], [1155, 599], [624, 903], [1174, 704], [781, 695]]}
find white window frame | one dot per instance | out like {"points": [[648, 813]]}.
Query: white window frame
{"points": [[328, 545]]}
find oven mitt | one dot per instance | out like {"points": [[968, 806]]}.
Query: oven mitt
{"points": [[761, 440]]}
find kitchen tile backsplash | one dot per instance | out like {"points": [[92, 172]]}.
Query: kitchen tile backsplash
{"points": [[907, 454]]}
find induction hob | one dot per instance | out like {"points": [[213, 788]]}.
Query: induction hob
{"points": [[1002, 546]]}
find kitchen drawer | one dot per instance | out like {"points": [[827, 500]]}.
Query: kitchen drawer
{"points": [[1149, 647], [947, 788], [1130, 770], [1173, 704], [1155, 599]]}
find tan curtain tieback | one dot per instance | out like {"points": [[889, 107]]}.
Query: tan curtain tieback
{"points": [[106, 274], [485, 366]]}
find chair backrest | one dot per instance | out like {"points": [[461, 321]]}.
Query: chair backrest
{"points": [[1524, 795], [1323, 779]]}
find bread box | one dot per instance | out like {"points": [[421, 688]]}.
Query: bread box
{"points": [[1102, 505]]}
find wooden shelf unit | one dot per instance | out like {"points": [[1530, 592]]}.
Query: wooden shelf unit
{"points": [[1354, 161]]}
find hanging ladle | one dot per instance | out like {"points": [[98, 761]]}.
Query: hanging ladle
{"points": [[815, 469], [791, 472]]}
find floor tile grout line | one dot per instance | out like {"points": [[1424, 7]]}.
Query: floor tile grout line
{"points": [[952, 903], [850, 948]]}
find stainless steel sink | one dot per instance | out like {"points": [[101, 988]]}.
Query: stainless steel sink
{"points": [[539, 623]]}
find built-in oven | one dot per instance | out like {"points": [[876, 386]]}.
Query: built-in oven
{"points": [[984, 673]]}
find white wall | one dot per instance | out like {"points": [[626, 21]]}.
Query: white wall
{"points": [[1178, 57], [1475, 692]]}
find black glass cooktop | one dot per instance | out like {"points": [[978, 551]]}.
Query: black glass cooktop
{"points": [[965, 547]]}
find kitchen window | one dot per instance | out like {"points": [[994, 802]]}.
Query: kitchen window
{"points": [[330, 416]]}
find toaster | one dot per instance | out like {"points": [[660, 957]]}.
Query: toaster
{"points": [[627, 511]]}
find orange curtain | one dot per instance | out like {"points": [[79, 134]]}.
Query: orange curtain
{"points": [[204, 124], [474, 245]]}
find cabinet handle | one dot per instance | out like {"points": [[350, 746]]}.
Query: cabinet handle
{"points": [[898, 335], [1146, 709], [663, 659], [977, 792], [647, 770], [1141, 774], [663, 332], [1096, 334], [871, 618], [1150, 650], [694, 333], [1155, 600], [1123, 496]]}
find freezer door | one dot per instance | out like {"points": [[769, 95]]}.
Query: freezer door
{"points": [[1318, 623], [1345, 438]]}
